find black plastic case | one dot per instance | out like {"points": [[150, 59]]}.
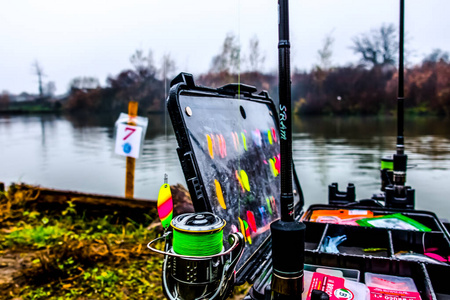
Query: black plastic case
{"points": [[431, 280], [229, 137]]}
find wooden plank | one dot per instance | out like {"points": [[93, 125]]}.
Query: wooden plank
{"points": [[49, 195], [48, 198], [181, 198], [54, 196]]}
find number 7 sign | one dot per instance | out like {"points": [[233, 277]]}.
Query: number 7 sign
{"points": [[128, 140], [131, 129]]}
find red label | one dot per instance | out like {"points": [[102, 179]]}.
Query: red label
{"points": [[333, 286], [385, 294]]}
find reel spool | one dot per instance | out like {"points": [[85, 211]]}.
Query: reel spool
{"points": [[195, 263], [387, 172]]}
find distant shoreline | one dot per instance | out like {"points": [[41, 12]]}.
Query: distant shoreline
{"points": [[58, 111]]}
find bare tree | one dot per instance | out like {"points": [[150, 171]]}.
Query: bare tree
{"points": [[229, 59], [168, 66], [437, 55], [255, 58], [144, 65], [326, 52], [138, 60], [39, 71], [378, 47]]}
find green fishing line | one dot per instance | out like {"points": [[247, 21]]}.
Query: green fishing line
{"points": [[197, 244], [387, 163]]}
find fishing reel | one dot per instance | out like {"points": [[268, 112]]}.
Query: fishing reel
{"points": [[393, 178], [196, 266]]}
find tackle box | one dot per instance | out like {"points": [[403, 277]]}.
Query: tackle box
{"points": [[228, 146]]}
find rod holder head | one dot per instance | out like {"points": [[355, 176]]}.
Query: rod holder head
{"points": [[288, 247]]}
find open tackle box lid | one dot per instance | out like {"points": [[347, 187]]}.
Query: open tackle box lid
{"points": [[228, 142], [228, 146]]}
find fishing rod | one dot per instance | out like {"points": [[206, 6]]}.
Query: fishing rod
{"points": [[401, 85], [398, 195], [287, 235], [400, 158]]}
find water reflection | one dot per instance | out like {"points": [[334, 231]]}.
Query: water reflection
{"points": [[76, 152], [349, 149], [158, 124]]}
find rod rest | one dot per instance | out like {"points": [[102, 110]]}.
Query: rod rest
{"points": [[341, 198], [396, 201]]}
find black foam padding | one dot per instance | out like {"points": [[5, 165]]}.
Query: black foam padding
{"points": [[288, 246]]}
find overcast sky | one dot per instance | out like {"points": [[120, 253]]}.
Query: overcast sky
{"points": [[97, 37]]}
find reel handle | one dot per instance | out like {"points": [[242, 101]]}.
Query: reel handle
{"points": [[236, 240]]}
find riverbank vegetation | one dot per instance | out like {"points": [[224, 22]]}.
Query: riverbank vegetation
{"points": [[65, 251], [367, 87], [72, 254]]}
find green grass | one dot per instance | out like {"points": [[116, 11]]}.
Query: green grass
{"points": [[77, 256]]}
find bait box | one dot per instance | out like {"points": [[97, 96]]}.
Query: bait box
{"points": [[430, 279]]}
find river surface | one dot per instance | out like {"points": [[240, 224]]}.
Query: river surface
{"points": [[76, 153]]}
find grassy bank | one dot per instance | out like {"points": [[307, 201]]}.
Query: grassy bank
{"points": [[69, 253]]}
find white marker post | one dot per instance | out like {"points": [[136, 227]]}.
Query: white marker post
{"points": [[130, 132]]}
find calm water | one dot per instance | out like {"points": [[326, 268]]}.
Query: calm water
{"points": [[76, 153]]}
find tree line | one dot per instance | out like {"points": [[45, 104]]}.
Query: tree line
{"points": [[366, 87]]}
